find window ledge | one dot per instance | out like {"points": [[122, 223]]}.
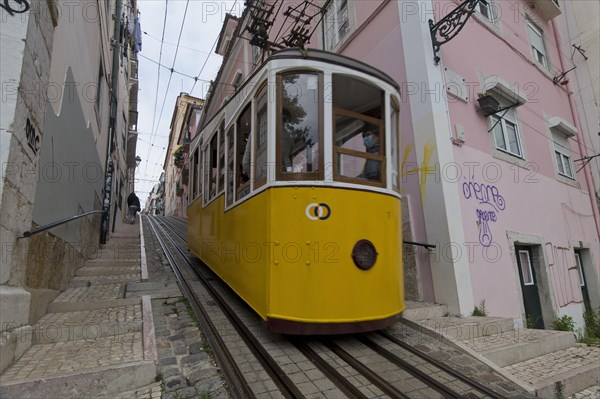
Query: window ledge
{"points": [[562, 126], [567, 180], [502, 91], [512, 159]]}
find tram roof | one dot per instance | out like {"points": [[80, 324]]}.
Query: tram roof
{"points": [[333, 58]]}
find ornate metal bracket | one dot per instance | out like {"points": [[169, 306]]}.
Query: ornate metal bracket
{"points": [[449, 26]]}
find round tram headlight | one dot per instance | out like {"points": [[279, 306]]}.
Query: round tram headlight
{"points": [[364, 254]]}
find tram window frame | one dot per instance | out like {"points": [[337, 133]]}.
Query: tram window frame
{"points": [[378, 122], [230, 178], [221, 159], [205, 174], [261, 136], [243, 189], [395, 142], [214, 166], [194, 174], [280, 175]]}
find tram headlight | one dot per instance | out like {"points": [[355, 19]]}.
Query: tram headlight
{"points": [[364, 254]]}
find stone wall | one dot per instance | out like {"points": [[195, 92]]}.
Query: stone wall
{"points": [[412, 282]]}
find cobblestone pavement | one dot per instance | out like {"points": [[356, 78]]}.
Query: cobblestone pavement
{"points": [[540, 368], [590, 393], [186, 366]]}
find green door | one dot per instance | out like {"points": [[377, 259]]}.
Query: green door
{"points": [[529, 287]]}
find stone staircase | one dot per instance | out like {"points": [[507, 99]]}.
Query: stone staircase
{"points": [[547, 363], [92, 341]]}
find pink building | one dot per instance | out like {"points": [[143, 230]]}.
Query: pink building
{"points": [[490, 142]]}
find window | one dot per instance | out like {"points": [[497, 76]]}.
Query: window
{"points": [[506, 133], [256, 55], [260, 174], [299, 128], [536, 39], [359, 135], [244, 152], [194, 176], [526, 268], [230, 163], [579, 269], [562, 153], [487, 9], [395, 135], [337, 23], [99, 89], [221, 180], [214, 170]]}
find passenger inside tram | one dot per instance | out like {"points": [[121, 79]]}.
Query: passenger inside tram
{"points": [[371, 142]]}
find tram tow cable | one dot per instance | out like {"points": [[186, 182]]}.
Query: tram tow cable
{"points": [[280, 378]]}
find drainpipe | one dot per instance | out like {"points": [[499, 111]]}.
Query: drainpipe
{"points": [[580, 141], [114, 101]]}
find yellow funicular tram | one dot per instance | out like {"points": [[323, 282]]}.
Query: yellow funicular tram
{"points": [[294, 194]]}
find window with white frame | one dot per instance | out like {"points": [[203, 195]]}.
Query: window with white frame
{"points": [[337, 23], [562, 153], [506, 132], [487, 9], [536, 40]]}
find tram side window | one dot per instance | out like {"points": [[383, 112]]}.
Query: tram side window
{"points": [[206, 174], [359, 135], [213, 167], [299, 132], [230, 169], [261, 138], [243, 158], [194, 176], [395, 143], [221, 157]]}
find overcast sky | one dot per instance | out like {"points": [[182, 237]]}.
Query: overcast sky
{"points": [[201, 27]]}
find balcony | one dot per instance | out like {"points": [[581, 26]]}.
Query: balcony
{"points": [[546, 9]]}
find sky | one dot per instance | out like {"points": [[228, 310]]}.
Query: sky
{"points": [[195, 56]]}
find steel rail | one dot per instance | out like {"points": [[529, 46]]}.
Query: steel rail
{"points": [[279, 377], [430, 381], [482, 388], [237, 383], [369, 374], [328, 370]]}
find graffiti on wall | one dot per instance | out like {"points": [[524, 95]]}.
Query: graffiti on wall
{"points": [[490, 202], [13, 7], [425, 168]]}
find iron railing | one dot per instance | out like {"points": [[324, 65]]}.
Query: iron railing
{"points": [[30, 233]]}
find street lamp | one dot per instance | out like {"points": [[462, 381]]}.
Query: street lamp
{"points": [[138, 160]]}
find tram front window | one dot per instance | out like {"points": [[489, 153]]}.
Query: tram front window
{"points": [[359, 139], [299, 133]]}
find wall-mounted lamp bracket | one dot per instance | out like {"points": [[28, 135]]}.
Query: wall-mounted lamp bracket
{"points": [[449, 26]]}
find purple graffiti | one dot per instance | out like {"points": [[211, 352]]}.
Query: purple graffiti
{"points": [[485, 194], [485, 234]]}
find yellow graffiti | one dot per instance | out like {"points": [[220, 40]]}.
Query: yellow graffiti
{"points": [[426, 167]]}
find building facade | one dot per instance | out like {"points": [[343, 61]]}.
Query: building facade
{"points": [[184, 125], [65, 146], [490, 141]]}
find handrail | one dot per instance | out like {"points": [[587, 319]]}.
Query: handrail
{"points": [[420, 244], [30, 233]]}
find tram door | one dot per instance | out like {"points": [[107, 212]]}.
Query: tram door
{"points": [[582, 282], [529, 287]]}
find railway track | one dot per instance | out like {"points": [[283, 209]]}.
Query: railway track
{"points": [[256, 363]]}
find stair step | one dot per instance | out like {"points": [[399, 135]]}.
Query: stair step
{"points": [[107, 271], [575, 369], [111, 263], [89, 298], [79, 368], [468, 328], [417, 311], [519, 345], [88, 281], [87, 324]]}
